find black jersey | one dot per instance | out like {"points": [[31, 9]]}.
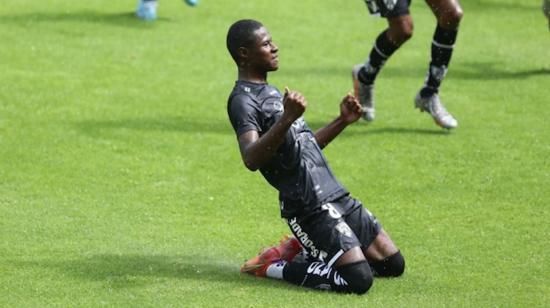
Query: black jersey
{"points": [[298, 170]]}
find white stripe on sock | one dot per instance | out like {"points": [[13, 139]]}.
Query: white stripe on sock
{"points": [[442, 45], [381, 53]]}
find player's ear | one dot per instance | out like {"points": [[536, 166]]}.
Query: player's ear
{"points": [[243, 53]]}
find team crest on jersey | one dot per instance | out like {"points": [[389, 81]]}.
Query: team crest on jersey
{"points": [[273, 104], [299, 123], [278, 105]]}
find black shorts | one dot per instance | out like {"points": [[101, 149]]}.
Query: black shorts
{"points": [[335, 228], [401, 8]]}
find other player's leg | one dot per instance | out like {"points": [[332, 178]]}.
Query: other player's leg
{"points": [[400, 29], [448, 14]]}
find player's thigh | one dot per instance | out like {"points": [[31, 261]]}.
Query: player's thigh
{"points": [[325, 235], [361, 221], [381, 248], [400, 29], [375, 242]]}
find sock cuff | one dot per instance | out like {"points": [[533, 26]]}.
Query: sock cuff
{"points": [[275, 269], [444, 38]]}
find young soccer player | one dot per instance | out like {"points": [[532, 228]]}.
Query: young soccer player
{"points": [[400, 28], [344, 241]]}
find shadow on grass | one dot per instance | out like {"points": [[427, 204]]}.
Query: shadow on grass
{"points": [[361, 128], [100, 128], [97, 128], [123, 271], [493, 71], [127, 19], [467, 71], [411, 131]]}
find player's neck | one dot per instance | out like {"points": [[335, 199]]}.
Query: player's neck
{"points": [[253, 76]]}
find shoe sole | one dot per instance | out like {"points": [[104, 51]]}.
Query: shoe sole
{"points": [[252, 266]]}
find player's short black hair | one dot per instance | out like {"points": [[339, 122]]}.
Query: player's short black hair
{"points": [[241, 34]]}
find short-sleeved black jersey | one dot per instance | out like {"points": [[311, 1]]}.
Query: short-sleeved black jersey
{"points": [[298, 170]]}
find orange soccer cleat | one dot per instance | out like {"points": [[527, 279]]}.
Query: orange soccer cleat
{"points": [[288, 248]]}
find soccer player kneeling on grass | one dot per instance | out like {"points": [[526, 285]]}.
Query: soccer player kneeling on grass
{"points": [[344, 243]]}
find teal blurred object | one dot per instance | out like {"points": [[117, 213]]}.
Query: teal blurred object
{"points": [[147, 10]]}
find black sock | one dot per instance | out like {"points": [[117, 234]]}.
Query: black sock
{"points": [[442, 50], [315, 275], [381, 51], [350, 278]]}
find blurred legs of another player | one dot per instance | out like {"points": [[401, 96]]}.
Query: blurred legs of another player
{"points": [[147, 9], [400, 28]]}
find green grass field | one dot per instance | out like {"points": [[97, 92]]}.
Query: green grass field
{"points": [[121, 183]]}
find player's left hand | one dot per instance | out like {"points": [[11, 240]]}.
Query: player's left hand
{"points": [[350, 109]]}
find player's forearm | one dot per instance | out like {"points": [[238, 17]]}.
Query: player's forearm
{"points": [[256, 154], [326, 134]]}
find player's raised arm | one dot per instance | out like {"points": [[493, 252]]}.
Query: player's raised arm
{"points": [[256, 150], [350, 111]]}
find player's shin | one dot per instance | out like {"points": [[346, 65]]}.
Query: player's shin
{"points": [[442, 50], [381, 51]]}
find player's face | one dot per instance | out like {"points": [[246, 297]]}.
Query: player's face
{"points": [[263, 53]]}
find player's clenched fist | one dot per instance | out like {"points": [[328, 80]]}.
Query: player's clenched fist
{"points": [[350, 109], [294, 103]]}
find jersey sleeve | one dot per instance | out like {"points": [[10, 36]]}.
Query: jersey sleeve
{"points": [[244, 114]]}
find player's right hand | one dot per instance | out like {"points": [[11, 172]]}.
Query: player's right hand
{"points": [[350, 109], [294, 103]]}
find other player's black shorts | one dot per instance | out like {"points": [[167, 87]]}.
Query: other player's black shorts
{"points": [[401, 8], [335, 228]]}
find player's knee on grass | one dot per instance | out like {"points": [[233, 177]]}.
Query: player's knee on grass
{"points": [[358, 276], [392, 266]]}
